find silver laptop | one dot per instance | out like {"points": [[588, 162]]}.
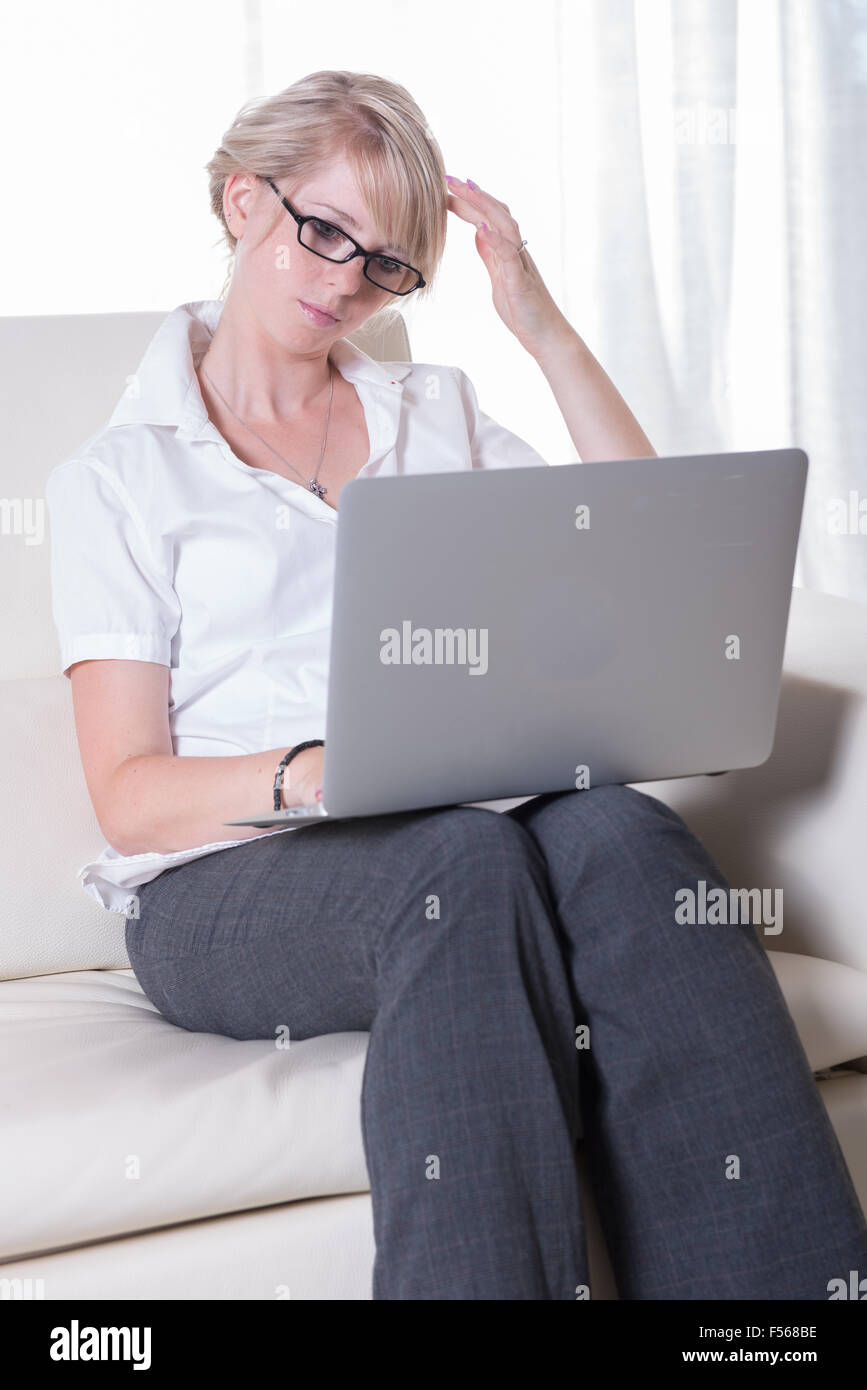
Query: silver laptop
{"points": [[503, 633]]}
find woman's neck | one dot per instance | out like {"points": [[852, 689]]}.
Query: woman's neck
{"points": [[260, 379]]}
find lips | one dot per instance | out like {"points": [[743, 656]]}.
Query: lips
{"points": [[321, 309]]}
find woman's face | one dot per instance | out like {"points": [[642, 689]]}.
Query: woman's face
{"points": [[274, 272]]}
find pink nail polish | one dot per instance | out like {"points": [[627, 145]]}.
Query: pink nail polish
{"points": [[472, 185]]}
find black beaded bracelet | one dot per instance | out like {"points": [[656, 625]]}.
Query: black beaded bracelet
{"points": [[284, 762]]}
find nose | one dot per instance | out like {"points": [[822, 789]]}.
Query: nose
{"points": [[347, 275]]}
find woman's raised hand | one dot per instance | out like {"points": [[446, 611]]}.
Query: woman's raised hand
{"points": [[521, 297]]}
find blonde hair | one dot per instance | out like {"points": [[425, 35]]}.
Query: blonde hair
{"points": [[372, 122]]}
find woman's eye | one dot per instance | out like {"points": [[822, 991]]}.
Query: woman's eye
{"points": [[324, 228], [386, 264]]}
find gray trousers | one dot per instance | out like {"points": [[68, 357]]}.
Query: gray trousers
{"points": [[527, 988]]}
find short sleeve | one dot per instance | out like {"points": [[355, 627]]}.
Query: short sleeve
{"points": [[110, 595], [491, 444]]}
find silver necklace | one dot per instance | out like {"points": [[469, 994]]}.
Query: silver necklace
{"points": [[312, 484]]}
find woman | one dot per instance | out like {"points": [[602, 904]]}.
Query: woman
{"points": [[193, 545]]}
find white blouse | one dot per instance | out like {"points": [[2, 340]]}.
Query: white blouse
{"points": [[166, 547]]}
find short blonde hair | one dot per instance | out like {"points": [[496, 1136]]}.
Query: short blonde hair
{"points": [[372, 122]]}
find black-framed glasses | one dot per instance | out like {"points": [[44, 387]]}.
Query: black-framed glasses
{"points": [[332, 244]]}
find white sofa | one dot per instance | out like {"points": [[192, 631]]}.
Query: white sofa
{"points": [[143, 1161]]}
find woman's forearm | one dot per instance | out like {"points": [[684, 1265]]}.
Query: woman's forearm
{"points": [[162, 803], [599, 421]]}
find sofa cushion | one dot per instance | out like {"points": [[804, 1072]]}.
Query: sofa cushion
{"points": [[116, 1121], [828, 1002], [318, 1251]]}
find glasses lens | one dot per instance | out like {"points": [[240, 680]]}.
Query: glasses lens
{"points": [[391, 275], [326, 240], [330, 242]]}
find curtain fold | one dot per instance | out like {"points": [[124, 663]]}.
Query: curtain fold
{"points": [[724, 171]]}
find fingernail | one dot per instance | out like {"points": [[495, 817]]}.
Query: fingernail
{"points": [[449, 179], [472, 185]]}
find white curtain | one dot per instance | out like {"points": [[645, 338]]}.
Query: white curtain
{"points": [[689, 174], [717, 150]]}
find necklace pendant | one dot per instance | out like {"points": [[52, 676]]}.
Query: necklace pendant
{"points": [[317, 488]]}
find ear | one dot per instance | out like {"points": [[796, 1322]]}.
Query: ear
{"points": [[237, 192]]}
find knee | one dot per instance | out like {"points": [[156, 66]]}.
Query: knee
{"points": [[476, 881], [488, 843], [615, 803], [464, 856], [630, 807], [602, 820]]}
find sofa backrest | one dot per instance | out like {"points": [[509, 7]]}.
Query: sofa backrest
{"points": [[62, 375]]}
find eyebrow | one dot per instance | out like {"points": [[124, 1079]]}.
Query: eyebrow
{"points": [[355, 225]]}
